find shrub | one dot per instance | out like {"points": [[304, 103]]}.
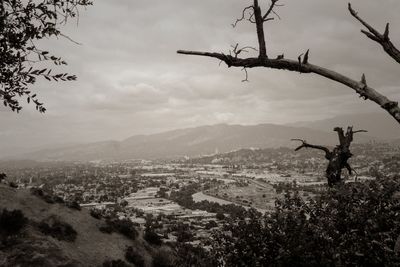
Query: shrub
{"points": [[133, 255], [355, 224], [107, 229], [211, 224], [188, 255], [124, 227], [13, 185], [220, 216], [95, 213], [3, 176], [37, 191], [184, 234], [152, 237], [73, 205], [11, 222], [46, 196], [58, 199], [58, 229], [115, 263], [163, 258]]}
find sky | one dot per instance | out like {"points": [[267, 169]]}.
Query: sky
{"points": [[131, 80]]}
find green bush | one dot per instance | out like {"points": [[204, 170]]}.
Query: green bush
{"points": [[13, 185], [11, 222], [220, 216], [55, 228], [95, 213], [3, 176], [107, 229], [354, 224], [58, 199], [73, 205], [163, 258], [152, 237], [124, 227], [190, 256], [134, 256], [211, 224], [46, 196]]}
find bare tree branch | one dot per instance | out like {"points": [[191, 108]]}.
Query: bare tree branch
{"points": [[260, 30], [373, 34], [307, 145], [359, 87], [237, 51], [246, 79], [243, 16], [302, 65], [271, 10], [360, 131]]}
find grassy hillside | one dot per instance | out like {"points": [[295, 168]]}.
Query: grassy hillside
{"points": [[31, 247]]}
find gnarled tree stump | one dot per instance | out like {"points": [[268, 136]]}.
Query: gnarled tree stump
{"points": [[338, 157]]}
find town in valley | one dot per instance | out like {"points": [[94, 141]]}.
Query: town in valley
{"points": [[186, 199]]}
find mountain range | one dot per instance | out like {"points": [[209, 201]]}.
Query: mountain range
{"points": [[206, 140], [379, 125], [188, 142]]}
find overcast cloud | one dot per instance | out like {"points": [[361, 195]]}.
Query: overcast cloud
{"points": [[131, 81]]}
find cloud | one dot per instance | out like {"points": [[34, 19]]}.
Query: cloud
{"points": [[131, 81]]}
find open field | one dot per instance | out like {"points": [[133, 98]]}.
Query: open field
{"points": [[255, 194], [200, 196]]}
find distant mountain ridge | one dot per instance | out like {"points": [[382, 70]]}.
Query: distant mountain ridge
{"points": [[191, 142], [379, 125]]}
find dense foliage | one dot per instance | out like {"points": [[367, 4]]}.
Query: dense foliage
{"points": [[46, 195], [58, 229], [133, 255], [22, 25], [11, 221], [190, 256], [123, 226], [163, 257], [152, 237], [96, 213], [353, 224]]}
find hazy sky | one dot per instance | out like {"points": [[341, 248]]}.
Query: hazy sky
{"points": [[131, 81]]}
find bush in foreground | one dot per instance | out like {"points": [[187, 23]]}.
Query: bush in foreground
{"points": [[353, 224]]}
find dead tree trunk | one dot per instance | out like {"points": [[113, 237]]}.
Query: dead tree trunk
{"points": [[338, 157]]}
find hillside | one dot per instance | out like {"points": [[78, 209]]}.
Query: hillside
{"points": [[34, 248], [191, 142]]}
